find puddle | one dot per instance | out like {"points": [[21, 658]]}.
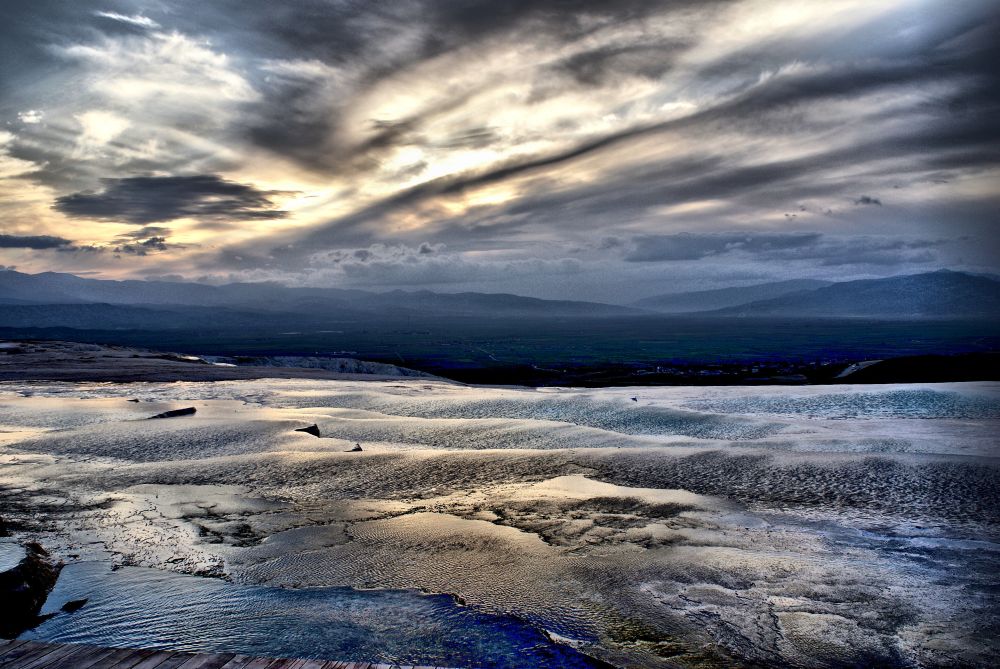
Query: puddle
{"points": [[148, 608]]}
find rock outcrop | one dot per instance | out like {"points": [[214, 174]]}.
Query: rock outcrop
{"points": [[312, 429], [24, 588], [187, 411]]}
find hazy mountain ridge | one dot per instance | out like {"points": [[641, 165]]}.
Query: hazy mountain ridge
{"points": [[102, 316], [64, 300], [73, 361], [720, 298], [941, 294], [50, 288]]}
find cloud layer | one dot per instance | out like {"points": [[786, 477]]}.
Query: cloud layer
{"points": [[32, 242], [142, 200], [564, 149]]}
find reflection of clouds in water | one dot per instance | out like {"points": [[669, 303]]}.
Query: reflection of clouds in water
{"points": [[814, 535], [127, 607]]}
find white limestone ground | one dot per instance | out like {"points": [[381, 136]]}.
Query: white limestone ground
{"points": [[808, 526]]}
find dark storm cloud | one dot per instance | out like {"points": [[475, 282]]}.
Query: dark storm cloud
{"points": [[143, 247], [627, 194], [564, 19], [347, 227], [143, 200], [475, 138], [146, 240], [754, 104], [32, 242], [297, 119], [305, 131], [597, 66], [139, 244], [292, 121], [557, 122], [336, 32], [670, 181]]}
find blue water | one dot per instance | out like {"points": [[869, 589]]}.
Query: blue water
{"points": [[898, 403], [611, 416], [147, 608]]}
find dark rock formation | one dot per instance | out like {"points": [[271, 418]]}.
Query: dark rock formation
{"points": [[73, 605], [978, 366], [175, 412], [312, 429], [24, 589]]}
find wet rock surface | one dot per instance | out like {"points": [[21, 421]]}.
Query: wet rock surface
{"points": [[808, 527]]}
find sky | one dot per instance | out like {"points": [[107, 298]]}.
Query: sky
{"points": [[601, 150]]}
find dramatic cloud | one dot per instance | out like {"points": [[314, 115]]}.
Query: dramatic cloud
{"points": [[10, 165], [565, 148], [144, 241], [142, 200], [144, 247], [32, 242]]}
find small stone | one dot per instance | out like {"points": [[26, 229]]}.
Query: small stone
{"points": [[74, 605]]}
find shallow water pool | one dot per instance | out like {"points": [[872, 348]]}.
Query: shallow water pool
{"points": [[149, 608]]}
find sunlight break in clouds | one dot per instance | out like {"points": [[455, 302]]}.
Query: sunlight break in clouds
{"points": [[520, 138], [137, 20]]}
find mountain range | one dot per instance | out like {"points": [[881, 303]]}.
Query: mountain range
{"points": [[941, 294], [19, 291], [53, 299], [721, 298]]}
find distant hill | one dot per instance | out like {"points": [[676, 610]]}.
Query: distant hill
{"points": [[310, 305], [704, 300], [52, 299], [71, 361], [123, 317], [941, 294], [978, 366]]}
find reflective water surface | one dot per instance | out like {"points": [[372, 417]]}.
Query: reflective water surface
{"points": [[148, 608]]}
